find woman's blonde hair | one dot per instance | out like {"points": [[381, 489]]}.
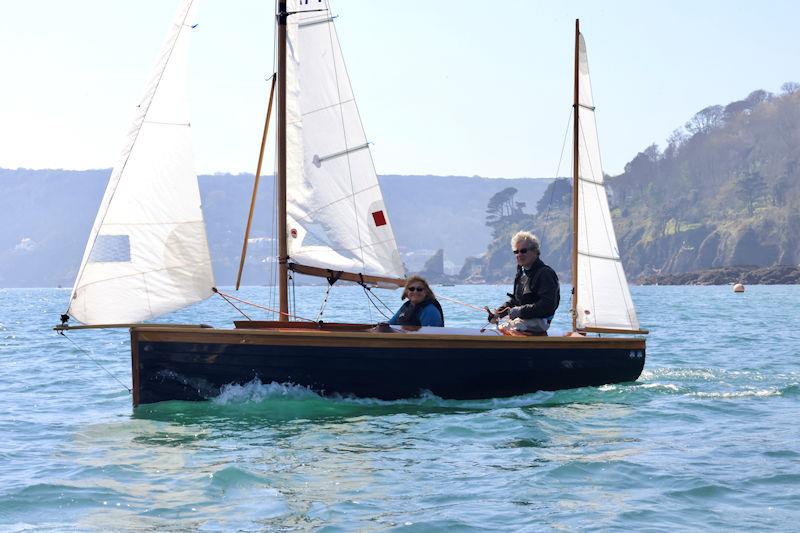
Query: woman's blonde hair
{"points": [[525, 236], [419, 279]]}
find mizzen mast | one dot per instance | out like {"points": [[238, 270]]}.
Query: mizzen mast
{"points": [[575, 172]]}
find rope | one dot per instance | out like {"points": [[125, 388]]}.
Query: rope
{"points": [[324, 303], [271, 310], [481, 309], [95, 361], [376, 297], [231, 303], [294, 298], [558, 169], [369, 294]]}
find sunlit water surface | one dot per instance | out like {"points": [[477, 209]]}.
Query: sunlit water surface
{"points": [[707, 438]]}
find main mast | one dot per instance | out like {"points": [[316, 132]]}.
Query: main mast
{"points": [[575, 171], [283, 271]]}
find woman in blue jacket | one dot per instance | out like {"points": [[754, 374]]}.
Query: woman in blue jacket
{"points": [[421, 309]]}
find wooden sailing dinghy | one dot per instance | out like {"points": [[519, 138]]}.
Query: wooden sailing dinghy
{"points": [[148, 255]]}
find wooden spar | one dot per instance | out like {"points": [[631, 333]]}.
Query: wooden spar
{"points": [[347, 276], [615, 330], [65, 327], [283, 271], [575, 172], [255, 183]]}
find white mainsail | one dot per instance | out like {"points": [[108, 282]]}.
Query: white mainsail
{"points": [[603, 298], [336, 215], [147, 252]]}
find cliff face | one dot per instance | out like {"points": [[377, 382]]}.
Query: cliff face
{"points": [[724, 192]]}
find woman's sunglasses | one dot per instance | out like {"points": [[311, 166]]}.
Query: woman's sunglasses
{"points": [[418, 289]]}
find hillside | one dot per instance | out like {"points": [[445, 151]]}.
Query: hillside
{"points": [[724, 192], [46, 215]]}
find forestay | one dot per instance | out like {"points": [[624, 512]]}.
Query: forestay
{"points": [[604, 299], [336, 216], [147, 252]]}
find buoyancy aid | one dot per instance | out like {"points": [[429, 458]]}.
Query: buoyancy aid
{"points": [[409, 313]]}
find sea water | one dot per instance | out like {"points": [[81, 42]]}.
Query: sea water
{"points": [[707, 439]]}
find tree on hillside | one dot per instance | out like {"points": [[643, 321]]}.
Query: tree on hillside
{"points": [[751, 186], [790, 87], [705, 120], [644, 164], [502, 206], [758, 96], [674, 142], [556, 195]]}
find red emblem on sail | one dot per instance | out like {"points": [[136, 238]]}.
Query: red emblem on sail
{"points": [[379, 218], [293, 233]]}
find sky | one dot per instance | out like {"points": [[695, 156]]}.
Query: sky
{"points": [[444, 87]]}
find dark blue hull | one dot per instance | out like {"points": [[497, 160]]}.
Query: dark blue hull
{"points": [[184, 365]]}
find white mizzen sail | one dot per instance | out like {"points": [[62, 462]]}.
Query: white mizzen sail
{"points": [[147, 253], [604, 299], [336, 216]]}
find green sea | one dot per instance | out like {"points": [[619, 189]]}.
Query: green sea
{"points": [[707, 439]]}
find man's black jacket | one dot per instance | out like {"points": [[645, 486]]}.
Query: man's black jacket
{"points": [[536, 291]]}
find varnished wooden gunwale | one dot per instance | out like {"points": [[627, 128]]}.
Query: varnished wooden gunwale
{"points": [[376, 340], [310, 326]]}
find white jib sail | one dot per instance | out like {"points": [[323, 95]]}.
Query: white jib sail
{"points": [[336, 216], [147, 252], [604, 299]]}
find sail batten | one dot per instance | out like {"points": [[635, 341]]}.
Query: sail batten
{"points": [[603, 300], [147, 253]]}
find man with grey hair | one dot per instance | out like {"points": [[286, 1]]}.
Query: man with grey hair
{"points": [[536, 293]]}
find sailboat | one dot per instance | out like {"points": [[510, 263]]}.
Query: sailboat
{"points": [[148, 255]]}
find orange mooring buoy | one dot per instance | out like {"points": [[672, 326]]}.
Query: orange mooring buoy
{"points": [[738, 287]]}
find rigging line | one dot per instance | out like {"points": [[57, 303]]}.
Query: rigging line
{"points": [[475, 307], [369, 307], [258, 306], [294, 296], [331, 34], [94, 361], [376, 297], [181, 27], [231, 304], [369, 296], [558, 169], [324, 302]]}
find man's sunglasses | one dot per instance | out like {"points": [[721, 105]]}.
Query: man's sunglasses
{"points": [[523, 251]]}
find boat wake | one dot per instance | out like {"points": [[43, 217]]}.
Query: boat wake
{"points": [[258, 392]]}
